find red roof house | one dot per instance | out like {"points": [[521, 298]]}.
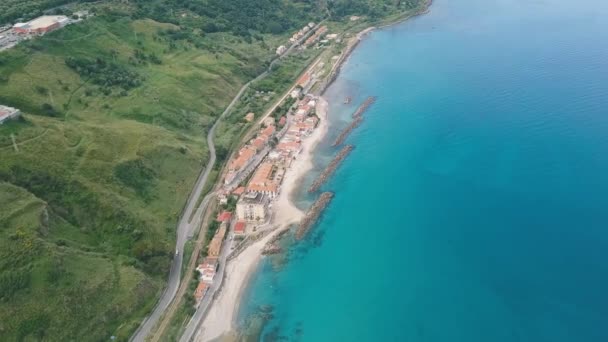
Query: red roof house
{"points": [[239, 191], [224, 216], [239, 228]]}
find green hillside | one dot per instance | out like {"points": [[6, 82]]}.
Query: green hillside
{"points": [[95, 173]]}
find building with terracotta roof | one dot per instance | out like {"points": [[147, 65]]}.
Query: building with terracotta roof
{"points": [[268, 131], [304, 80], [263, 180], [239, 191], [215, 246], [200, 291], [282, 121], [224, 216], [290, 146], [259, 143], [243, 159], [239, 228]]}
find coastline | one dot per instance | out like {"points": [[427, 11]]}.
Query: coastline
{"points": [[219, 323], [220, 319]]}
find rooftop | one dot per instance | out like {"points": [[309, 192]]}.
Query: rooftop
{"points": [[239, 191], [43, 22], [224, 216], [239, 227]]}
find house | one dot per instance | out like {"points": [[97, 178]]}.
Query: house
{"points": [[252, 207], [259, 143], [263, 180], [281, 49], [282, 121], [249, 117], [243, 159], [239, 191], [269, 121], [224, 217], [215, 246], [200, 291], [295, 93], [239, 228], [293, 147], [304, 80], [207, 269], [268, 131]]}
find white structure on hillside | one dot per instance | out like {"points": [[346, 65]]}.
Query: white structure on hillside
{"points": [[281, 49], [7, 113]]}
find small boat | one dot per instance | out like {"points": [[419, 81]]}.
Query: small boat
{"points": [[347, 100]]}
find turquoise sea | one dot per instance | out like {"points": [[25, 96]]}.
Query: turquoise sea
{"points": [[475, 204]]}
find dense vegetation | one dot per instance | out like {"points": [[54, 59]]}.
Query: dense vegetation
{"points": [[241, 17], [103, 73], [111, 141]]}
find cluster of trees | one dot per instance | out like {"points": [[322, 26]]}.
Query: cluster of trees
{"points": [[136, 175], [140, 57], [374, 9], [103, 73], [240, 17], [80, 206], [12, 281]]}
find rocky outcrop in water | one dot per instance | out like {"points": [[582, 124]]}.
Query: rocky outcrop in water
{"points": [[313, 214], [340, 139], [331, 168]]}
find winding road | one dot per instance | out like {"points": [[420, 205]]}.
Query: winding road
{"points": [[187, 226]]}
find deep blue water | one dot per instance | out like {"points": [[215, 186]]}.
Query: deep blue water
{"points": [[475, 205]]}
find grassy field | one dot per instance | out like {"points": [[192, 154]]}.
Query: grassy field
{"points": [[92, 192]]}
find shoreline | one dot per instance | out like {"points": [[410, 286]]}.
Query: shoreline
{"points": [[219, 323], [220, 320]]}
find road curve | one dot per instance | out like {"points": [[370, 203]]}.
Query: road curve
{"points": [[186, 226]]}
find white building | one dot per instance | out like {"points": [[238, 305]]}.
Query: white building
{"points": [[252, 208], [281, 49], [7, 113], [295, 93]]}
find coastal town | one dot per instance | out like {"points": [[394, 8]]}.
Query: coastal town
{"points": [[254, 178], [253, 205]]}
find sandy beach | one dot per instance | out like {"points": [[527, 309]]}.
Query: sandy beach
{"points": [[222, 314]]}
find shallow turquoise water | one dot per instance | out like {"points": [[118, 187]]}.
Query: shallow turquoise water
{"points": [[474, 207]]}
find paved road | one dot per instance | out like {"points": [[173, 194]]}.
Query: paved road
{"points": [[187, 227]]}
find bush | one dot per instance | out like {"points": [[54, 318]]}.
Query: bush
{"points": [[136, 175], [104, 74]]}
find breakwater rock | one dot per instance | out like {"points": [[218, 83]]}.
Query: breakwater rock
{"points": [[364, 106], [331, 168], [313, 214], [340, 139]]}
